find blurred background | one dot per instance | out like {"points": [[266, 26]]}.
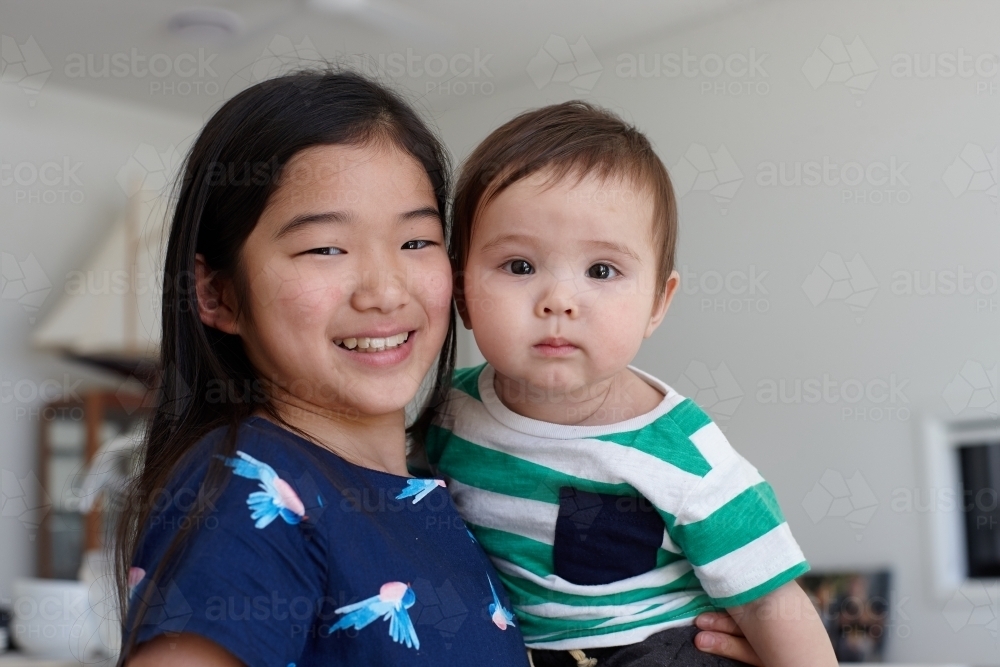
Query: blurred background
{"points": [[839, 310]]}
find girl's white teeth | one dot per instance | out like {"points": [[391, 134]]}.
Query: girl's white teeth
{"points": [[374, 344]]}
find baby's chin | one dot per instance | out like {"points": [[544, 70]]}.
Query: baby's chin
{"points": [[545, 380]]}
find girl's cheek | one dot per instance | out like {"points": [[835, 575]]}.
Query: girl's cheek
{"points": [[432, 284], [277, 283], [265, 287], [438, 287]]}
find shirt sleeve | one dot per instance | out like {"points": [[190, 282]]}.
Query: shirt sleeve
{"points": [[731, 528], [252, 584]]}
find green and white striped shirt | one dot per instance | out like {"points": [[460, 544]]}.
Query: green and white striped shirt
{"points": [[725, 541]]}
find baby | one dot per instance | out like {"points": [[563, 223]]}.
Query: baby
{"points": [[613, 508]]}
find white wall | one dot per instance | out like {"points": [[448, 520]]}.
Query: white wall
{"points": [[919, 341], [58, 224]]}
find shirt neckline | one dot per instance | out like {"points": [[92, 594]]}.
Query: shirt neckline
{"points": [[500, 412], [256, 420]]}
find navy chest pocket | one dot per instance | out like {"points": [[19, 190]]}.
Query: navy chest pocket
{"points": [[602, 538]]}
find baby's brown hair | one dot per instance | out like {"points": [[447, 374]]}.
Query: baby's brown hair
{"points": [[570, 138]]}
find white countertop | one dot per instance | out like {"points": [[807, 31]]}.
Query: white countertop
{"points": [[20, 660]]}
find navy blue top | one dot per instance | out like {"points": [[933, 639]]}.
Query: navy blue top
{"points": [[307, 559]]}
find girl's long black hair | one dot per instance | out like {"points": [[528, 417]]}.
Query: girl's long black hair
{"points": [[231, 171]]}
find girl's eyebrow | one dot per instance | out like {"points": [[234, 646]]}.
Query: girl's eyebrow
{"points": [[306, 219], [423, 212]]}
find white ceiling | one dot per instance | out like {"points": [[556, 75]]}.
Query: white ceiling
{"points": [[507, 36]]}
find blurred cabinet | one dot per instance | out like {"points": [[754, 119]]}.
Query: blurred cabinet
{"points": [[71, 434]]}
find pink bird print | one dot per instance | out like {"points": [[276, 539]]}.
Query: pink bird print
{"points": [[135, 575], [391, 603], [501, 617], [277, 498], [419, 488]]}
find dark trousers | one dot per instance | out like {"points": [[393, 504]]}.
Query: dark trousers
{"points": [[669, 648]]}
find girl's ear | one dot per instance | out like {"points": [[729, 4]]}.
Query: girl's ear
{"points": [[216, 299], [660, 308]]}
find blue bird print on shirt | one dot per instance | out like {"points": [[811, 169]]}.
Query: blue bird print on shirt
{"points": [[277, 498], [501, 617], [419, 488], [391, 603]]}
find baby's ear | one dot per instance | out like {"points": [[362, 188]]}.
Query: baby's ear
{"points": [[458, 290], [663, 303]]}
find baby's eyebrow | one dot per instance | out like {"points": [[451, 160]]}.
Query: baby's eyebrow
{"points": [[504, 239], [616, 247]]}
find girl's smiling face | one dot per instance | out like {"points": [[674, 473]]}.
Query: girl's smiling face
{"points": [[348, 254]]}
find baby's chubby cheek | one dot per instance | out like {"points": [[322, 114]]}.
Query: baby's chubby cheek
{"points": [[481, 303], [616, 332]]}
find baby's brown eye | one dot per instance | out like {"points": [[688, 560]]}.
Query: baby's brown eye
{"points": [[600, 271], [521, 268]]}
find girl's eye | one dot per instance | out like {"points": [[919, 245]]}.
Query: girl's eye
{"points": [[329, 250], [416, 244], [519, 267], [602, 271]]}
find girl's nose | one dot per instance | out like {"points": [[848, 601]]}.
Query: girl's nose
{"points": [[381, 286]]}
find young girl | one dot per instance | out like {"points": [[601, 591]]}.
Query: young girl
{"points": [[307, 295], [278, 524]]}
